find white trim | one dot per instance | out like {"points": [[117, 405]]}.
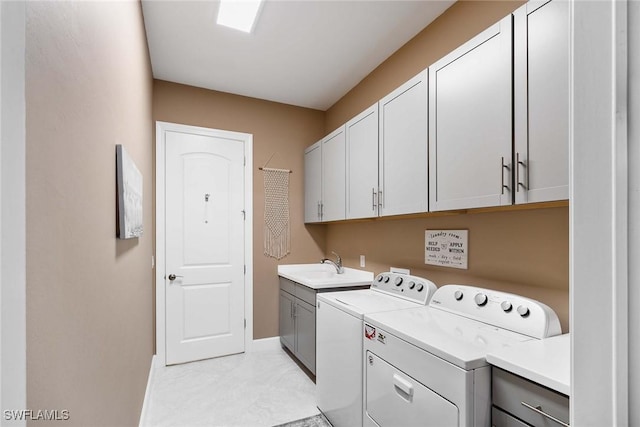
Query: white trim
{"points": [[147, 394], [161, 127], [598, 215], [13, 369], [633, 50], [266, 344]]}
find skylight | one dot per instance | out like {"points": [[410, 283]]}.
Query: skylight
{"points": [[238, 14]]}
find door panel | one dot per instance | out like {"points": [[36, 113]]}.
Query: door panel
{"points": [[470, 123], [306, 334], [396, 399], [204, 234], [207, 315], [542, 57], [287, 325], [362, 164], [313, 182], [333, 176], [403, 149]]}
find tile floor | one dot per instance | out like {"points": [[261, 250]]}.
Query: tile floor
{"points": [[263, 388]]}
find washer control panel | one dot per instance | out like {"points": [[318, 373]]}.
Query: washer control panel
{"points": [[508, 311], [412, 288]]}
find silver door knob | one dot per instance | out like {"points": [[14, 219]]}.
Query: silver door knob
{"points": [[173, 277]]}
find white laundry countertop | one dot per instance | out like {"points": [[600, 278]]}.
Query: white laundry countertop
{"points": [[546, 361], [324, 276]]}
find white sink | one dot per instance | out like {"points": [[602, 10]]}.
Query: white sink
{"points": [[319, 276]]}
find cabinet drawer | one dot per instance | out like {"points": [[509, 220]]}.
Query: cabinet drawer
{"points": [[307, 295], [511, 392], [502, 419], [287, 286]]}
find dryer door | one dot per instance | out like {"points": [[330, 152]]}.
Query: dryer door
{"points": [[396, 399]]}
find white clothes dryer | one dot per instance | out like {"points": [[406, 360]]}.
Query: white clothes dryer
{"points": [[426, 366], [339, 342]]}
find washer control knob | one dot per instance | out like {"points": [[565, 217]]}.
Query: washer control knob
{"points": [[420, 287], [481, 299], [506, 306], [412, 284], [458, 295], [386, 279], [398, 281], [523, 310], [380, 278]]}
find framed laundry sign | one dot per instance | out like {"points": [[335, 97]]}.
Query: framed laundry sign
{"points": [[446, 248]]}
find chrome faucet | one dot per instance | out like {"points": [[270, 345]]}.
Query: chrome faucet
{"points": [[337, 263]]}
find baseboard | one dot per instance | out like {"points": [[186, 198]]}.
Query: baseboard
{"points": [[147, 397], [266, 344]]}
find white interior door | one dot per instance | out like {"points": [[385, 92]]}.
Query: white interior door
{"points": [[204, 245]]}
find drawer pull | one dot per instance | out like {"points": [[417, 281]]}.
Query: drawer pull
{"points": [[403, 386], [538, 409]]}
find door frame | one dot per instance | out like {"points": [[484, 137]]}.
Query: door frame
{"points": [[161, 127], [13, 253]]}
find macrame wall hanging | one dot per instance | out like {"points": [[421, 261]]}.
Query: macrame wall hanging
{"points": [[277, 230]]}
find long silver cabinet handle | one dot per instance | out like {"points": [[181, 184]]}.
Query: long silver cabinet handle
{"points": [[538, 410], [518, 164], [502, 168], [380, 198], [373, 199]]}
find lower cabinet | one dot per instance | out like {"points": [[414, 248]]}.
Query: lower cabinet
{"points": [[298, 319]]}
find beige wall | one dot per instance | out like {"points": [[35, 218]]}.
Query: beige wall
{"points": [[518, 251], [277, 128], [89, 295], [525, 252]]}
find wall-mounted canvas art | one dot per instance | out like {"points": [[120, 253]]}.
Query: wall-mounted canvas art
{"points": [[129, 223]]}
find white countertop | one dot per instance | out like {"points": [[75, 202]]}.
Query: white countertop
{"points": [[546, 361], [323, 276]]}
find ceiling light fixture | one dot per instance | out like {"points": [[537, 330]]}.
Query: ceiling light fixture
{"points": [[239, 14]]}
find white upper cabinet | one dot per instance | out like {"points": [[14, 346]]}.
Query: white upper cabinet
{"points": [[313, 182], [403, 149], [470, 123], [362, 164], [333, 176], [541, 95]]}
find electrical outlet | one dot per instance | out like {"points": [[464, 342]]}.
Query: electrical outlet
{"points": [[362, 261]]}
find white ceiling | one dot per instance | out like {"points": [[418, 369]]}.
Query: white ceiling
{"points": [[307, 52]]}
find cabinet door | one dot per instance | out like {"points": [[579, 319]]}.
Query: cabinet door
{"points": [[470, 116], [333, 176], [403, 149], [362, 164], [541, 109], [305, 315], [312, 182], [286, 328]]}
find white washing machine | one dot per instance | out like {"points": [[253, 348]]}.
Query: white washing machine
{"points": [[426, 366], [339, 317]]}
